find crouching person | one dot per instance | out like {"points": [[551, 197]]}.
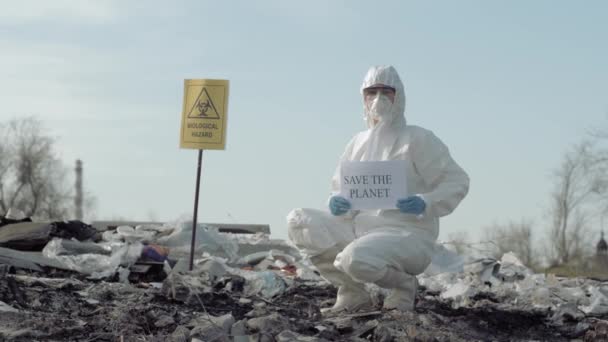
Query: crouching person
{"points": [[387, 247]]}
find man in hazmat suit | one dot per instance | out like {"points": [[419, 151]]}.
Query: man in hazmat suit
{"points": [[386, 247]]}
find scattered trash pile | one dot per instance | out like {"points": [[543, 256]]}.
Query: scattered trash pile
{"points": [[67, 281]]}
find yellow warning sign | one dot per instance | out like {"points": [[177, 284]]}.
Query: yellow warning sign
{"points": [[204, 114]]}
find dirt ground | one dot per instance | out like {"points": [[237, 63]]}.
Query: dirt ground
{"points": [[64, 306]]}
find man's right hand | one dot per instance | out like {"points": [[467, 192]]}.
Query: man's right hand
{"points": [[338, 205]]}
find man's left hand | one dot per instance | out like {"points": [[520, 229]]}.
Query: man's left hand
{"points": [[411, 205]]}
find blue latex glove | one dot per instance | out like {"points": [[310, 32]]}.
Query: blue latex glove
{"points": [[411, 205], [338, 205]]}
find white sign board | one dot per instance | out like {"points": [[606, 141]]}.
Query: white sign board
{"points": [[373, 185]]}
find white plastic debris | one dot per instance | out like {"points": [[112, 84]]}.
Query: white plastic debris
{"points": [[511, 268], [567, 312], [130, 234], [444, 260], [273, 255], [458, 291], [439, 282], [123, 275], [506, 292], [484, 268], [111, 236], [599, 302], [531, 282], [15, 214], [575, 295], [7, 308], [513, 284], [306, 273], [215, 268], [96, 265], [266, 284], [208, 239], [257, 238], [250, 244], [540, 297], [153, 228]]}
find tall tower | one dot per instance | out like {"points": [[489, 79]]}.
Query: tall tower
{"points": [[600, 261], [602, 247], [78, 197]]}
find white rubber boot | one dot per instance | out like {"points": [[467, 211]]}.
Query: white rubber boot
{"points": [[403, 290], [352, 295]]}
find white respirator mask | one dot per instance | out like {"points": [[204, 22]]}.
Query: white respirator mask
{"points": [[380, 107]]}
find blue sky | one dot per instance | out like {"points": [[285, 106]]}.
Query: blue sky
{"points": [[508, 86]]}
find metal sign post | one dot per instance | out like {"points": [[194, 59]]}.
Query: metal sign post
{"points": [[194, 218]]}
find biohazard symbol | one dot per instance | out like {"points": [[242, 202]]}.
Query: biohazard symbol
{"points": [[203, 107]]}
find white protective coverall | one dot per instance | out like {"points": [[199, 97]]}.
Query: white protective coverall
{"points": [[385, 247]]}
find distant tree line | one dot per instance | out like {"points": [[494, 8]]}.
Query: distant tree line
{"points": [[576, 208], [33, 178]]}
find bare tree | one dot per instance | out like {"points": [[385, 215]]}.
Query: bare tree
{"points": [[600, 138], [513, 237], [580, 183], [32, 177]]}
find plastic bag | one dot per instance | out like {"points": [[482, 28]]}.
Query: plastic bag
{"points": [[208, 239], [96, 265]]}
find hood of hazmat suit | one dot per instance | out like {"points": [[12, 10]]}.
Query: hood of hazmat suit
{"points": [[431, 173], [382, 135]]}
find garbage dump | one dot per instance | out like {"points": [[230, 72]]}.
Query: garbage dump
{"points": [[133, 283]]}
